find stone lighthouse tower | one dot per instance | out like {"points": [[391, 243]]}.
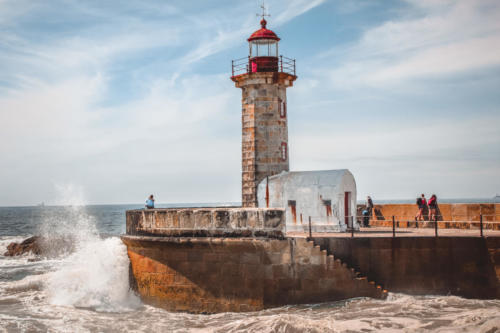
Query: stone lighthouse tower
{"points": [[263, 77]]}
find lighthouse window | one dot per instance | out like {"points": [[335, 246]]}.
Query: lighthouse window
{"points": [[263, 48], [282, 108], [255, 50], [283, 151]]}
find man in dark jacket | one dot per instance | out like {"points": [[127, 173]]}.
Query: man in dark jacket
{"points": [[369, 205]]}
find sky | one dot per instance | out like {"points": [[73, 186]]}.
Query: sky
{"points": [[115, 100]]}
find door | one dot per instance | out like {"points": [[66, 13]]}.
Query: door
{"points": [[347, 208]]}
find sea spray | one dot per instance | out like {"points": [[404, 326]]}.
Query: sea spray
{"points": [[65, 230], [94, 271], [95, 277]]}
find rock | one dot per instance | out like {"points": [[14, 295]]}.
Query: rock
{"points": [[28, 245], [52, 247], [47, 247]]}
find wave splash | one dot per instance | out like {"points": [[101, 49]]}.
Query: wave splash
{"points": [[95, 276], [93, 272]]}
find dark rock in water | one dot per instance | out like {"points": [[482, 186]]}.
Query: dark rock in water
{"points": [[28, 245], [47, 247]]}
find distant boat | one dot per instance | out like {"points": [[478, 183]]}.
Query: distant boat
{"points": [[41, 204]]}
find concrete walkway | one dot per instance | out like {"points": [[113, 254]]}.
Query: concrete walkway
{"points": [[400, 232]]}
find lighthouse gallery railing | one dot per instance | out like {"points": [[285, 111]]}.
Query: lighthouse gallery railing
{"points": [[244, 66]]}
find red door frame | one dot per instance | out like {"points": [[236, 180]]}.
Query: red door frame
{"points": [[347, 212]]}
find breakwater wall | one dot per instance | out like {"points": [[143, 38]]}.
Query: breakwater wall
{"points": [[456, 216], [208, 275], [462, 266], [208, 260], [207, 222]]}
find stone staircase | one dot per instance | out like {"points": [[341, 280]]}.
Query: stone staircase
{"points": [[362, 281]]}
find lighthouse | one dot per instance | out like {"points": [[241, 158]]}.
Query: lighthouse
{"points": [[263, 77]]}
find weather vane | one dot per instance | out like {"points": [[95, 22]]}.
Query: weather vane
{"points": [[263, 6]]}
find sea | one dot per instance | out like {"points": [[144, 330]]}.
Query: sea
{"points": [[85, 288]]}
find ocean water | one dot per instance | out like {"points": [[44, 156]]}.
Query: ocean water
{"points": [[84, 288]]}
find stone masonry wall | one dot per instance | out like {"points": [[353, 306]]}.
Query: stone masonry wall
{"points": [[207, 222], [264, 129], [208, 275], [463, 266]]}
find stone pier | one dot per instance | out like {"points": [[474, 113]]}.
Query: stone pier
{"points": [[211, 260]]}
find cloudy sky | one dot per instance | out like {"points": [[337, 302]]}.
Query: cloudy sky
{"points": [[120, 99]]}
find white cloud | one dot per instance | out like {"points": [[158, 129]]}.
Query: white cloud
{"points": [[403, 140], [454, 157], [294, 8], [178, 136], [451, 37], [46, 112], [56, 134], [219, 39], [453, 58]]}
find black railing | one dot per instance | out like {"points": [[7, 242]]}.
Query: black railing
{"points": [[398, 227], [247, 65]]}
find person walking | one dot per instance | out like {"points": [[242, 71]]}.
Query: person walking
{"points": [[422, 204], [432, 207], [150, 202]]}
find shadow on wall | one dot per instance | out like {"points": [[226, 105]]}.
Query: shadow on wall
{"points": [[378, 214], [438, 213]]}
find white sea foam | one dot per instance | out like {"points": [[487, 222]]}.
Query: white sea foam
{"points": [[95, 274], [31, 282], [96, 277]]}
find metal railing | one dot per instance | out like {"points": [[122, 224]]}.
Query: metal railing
{"points": [[471, 224], [244, 66], [481, 225], [468, 219]]}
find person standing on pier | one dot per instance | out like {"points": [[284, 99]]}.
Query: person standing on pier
{"points": [[422, 205], [432, 207], [150, 202], [369, 206]]}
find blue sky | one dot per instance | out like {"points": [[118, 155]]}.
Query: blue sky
{"points": [[112, 100]]}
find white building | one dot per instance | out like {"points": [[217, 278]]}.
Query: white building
{"points": [[328, 197]]}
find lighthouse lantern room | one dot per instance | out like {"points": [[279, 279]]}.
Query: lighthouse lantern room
{"points": [[263, 50]]}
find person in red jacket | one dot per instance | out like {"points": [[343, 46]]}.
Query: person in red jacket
{"points": [[432, 203]]}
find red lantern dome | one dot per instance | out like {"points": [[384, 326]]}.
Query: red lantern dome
{"points": [[263, 50], [263, 33], [263, 54]]}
